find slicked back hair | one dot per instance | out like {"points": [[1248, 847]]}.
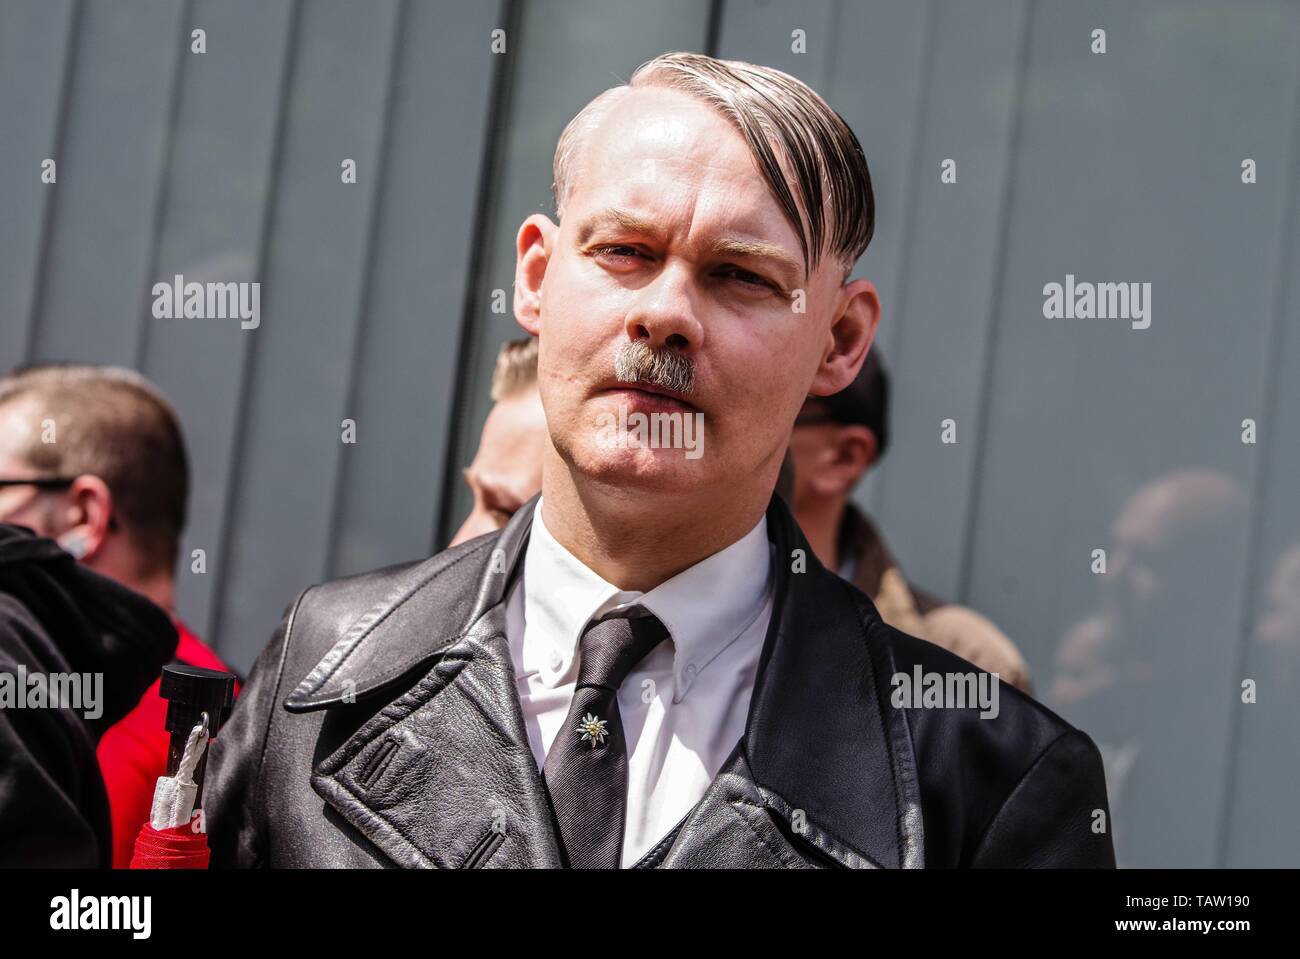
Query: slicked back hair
{"points": [[780, 117], [112, 423]]}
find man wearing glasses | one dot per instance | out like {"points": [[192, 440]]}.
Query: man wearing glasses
{"points": [[93, 458]]}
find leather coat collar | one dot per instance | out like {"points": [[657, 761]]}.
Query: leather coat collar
{"points": [[443, 774]]}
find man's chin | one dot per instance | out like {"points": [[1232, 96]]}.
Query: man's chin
{"points": [[646, 469]]}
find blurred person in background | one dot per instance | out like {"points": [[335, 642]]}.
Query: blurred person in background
{"points": [[507, 468], [835, 441], [93, 457], [1135, 667]]}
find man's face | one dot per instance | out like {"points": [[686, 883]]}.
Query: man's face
{"points": [[829, 457], [507, 469], [811, 441], [24, 505], [698, 260]]}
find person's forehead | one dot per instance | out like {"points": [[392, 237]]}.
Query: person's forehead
{"points": [[664, 145], [16, 427], [665, 162], [666, 121]]}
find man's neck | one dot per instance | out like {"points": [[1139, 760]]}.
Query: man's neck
{"points": [[158, 587], [117, 560], [636, 541], [820, 521]]}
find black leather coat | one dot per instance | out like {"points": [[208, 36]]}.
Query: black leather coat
{"points": [[381, 727]]}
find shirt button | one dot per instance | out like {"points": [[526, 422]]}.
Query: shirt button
{"points": [[556, 662], [691, 670]]}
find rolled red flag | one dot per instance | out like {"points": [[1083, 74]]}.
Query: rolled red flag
{"points": [[198, 702], [178, 848]]}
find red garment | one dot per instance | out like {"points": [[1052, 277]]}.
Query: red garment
{"points": [[133, 752]]}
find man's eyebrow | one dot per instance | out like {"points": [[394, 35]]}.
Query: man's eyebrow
{"points": [[724, 246], [733, 246], [622, 219]]}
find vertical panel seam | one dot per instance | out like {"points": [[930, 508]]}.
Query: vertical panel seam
{"points": [[979, 425], [329, 561], [27, 348], [1252, 593], [247, 354], [909, 213], [469, 334], [713, 28], [162, 193]]}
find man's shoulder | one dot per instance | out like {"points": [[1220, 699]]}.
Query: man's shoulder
{"points": [[386, 577], [438, 591], [1016, 724], [22, 639], [1011, 785]]}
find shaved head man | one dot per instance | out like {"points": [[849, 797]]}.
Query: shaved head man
{"points": [[647, 666]]}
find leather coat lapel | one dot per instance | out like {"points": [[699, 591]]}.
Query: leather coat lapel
{"points": [[826, 774], [443, 776], [740, 825]]}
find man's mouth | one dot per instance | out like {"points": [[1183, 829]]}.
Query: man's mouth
{"points": [[650, 398]]}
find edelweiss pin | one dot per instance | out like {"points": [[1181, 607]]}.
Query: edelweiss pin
{"points": [[593, 728]]}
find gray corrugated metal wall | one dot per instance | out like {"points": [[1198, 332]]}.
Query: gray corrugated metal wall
{"points": [[376, 302]]}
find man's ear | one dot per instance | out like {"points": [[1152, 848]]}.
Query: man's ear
{"points": [[857, 450], [533, 248], [88, 516], [849, 338], [847, 459]]}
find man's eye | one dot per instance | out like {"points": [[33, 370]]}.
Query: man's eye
{"points": [[615, 250], [744, 276]]}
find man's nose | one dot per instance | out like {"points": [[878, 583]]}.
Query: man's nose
{"points": [[664, 312]]}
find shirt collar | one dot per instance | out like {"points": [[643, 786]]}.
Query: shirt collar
{"points": [[705, 608]]}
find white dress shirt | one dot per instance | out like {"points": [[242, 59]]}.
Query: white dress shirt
{"points": [[684, 706]]}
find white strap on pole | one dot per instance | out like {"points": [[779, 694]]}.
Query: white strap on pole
{"points": [[174, 796]]}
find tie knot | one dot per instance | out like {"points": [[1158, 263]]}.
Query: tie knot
{"points": [[610, 647]]}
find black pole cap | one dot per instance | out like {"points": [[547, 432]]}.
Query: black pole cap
{"points": [[191, 691]]}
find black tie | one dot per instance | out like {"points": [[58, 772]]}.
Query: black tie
{"points": [[586, 768]]}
